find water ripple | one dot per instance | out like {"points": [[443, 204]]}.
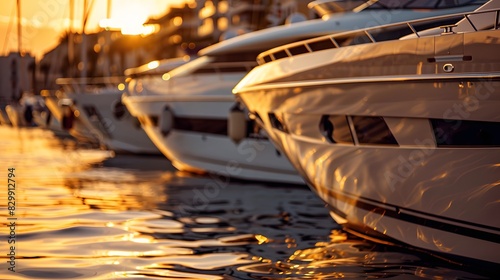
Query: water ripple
{"points": [[90, 214]]}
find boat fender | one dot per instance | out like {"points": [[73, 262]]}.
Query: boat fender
{"points": [[237, 123], [166, 121], [68, 117]]}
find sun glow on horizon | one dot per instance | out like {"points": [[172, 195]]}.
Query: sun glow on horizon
{"points": [[129, 19], [128, 27]]}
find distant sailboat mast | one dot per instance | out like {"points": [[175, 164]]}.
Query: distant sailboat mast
{"points": [[71, 40], [86, 14], [19, 26], [15, 74], [84, 42]]}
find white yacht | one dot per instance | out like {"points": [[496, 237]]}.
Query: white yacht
{"points": [[189, 111], [99, 106], [399, 136]]}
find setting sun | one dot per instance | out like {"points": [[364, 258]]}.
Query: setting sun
{"points": [[43, 22], [126, 27], [129, 19]]}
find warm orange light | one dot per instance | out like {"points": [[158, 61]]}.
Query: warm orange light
{"points": [[177, 21], [153, 64], [129, 19]]}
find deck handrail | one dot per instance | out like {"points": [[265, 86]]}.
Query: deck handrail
{"points": [[332, 39]]}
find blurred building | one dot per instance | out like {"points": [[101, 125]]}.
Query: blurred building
{"points": [[17, 75], [65, 60], [181, 30], [177, 33]]}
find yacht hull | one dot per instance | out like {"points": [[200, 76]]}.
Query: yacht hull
{"points": [[403, 150], [197, 139], [430, 197], [112, 123]]}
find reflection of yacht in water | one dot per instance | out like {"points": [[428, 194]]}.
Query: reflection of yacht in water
{"points": [[399, 136], [98, 101], [185, 112]]}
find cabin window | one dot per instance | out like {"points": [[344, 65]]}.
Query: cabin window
{"points": [[280, 54], [466, 133], [267, 59], [336, 129], [277, 123], [373, 131], [300, 49], [211, 126], [321, 45]]}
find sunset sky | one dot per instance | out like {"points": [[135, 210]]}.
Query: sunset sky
{"points": [[44, 21]]}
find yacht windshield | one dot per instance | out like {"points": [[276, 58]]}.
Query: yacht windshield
{"points": [[328, 7], [156, 67], [191, 66]]}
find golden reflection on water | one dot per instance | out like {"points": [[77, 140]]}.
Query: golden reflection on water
{"points": [[80, 218], [71, 213]]}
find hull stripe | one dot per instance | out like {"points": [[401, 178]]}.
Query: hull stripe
{"points": [[402, 214]]}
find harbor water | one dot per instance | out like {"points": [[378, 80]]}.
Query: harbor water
{"points": [[71, 211]]}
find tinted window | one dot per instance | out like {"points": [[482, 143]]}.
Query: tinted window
{"points": [[300, 49], [373, 130], [277, 122], [466, 133], [280, 54], [321, 45], [212, 126], [336, 129]]}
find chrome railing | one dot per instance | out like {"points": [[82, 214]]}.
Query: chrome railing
{"points": [[368, 35]]}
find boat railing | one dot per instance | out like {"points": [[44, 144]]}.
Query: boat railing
{"points": [[91, 84], [370, 35]]}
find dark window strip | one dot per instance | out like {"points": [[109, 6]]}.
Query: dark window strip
{"points": [[336, 129], [203, 125], [321, 45], [277, 122], [300, 49], [463, 133], [212, 126], [373, 130], [280, 54]]}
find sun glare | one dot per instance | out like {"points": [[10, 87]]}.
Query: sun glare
{"points": [[129, 19]]}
